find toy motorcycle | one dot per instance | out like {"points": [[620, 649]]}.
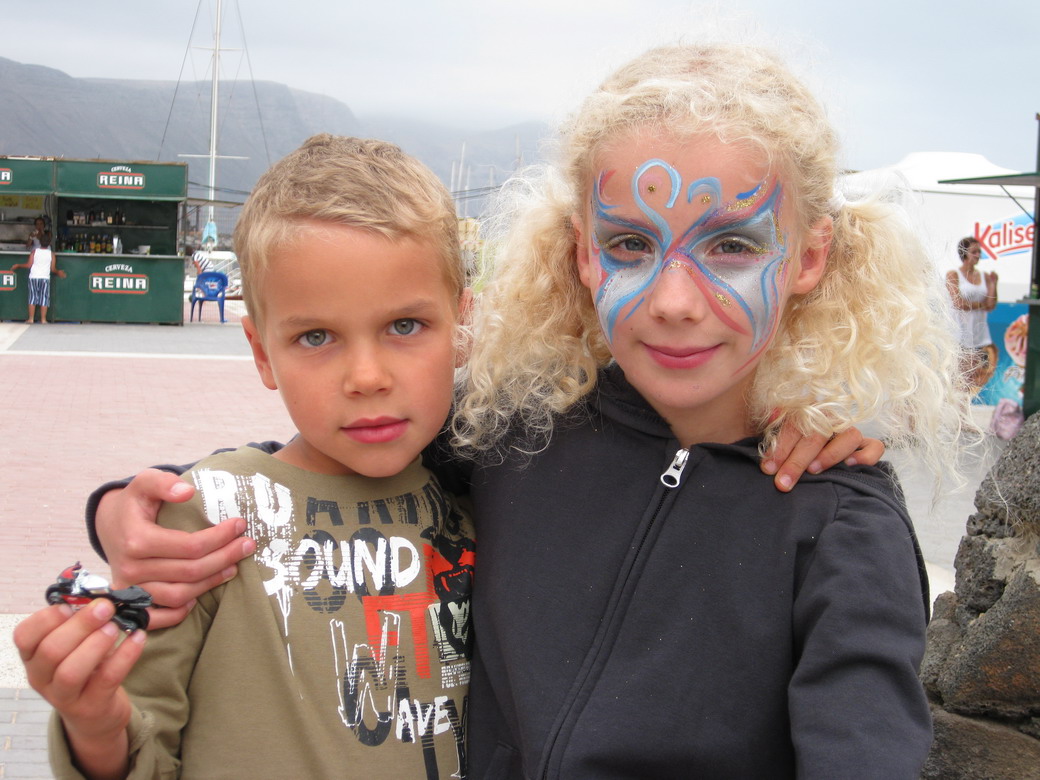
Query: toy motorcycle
{"points": [[77, 587]]}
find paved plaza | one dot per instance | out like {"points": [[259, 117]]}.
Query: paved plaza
{"points": [[89, 403], [85, 404]]}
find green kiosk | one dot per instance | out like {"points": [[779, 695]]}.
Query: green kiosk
{"points": [[114, 226]]}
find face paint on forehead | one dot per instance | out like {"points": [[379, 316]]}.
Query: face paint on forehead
{"points": [[735, 252]]}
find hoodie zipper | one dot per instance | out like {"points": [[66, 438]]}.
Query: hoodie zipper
{"points": [[671, 476], [670, 479]]}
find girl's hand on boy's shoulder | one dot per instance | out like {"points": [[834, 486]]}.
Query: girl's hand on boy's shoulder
{"points": [[71, 660], [795, 453], [174, 566]]}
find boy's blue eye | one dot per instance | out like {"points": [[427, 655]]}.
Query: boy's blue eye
{"points": [[314, 338], [405, 327]]}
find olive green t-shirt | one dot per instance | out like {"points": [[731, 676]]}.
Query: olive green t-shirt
{"points": [[342, 647]]}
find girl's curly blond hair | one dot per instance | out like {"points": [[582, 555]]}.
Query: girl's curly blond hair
{"points": [[873, 341]]}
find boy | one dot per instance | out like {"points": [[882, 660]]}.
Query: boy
{"points": [[41, 264], [342, 648]]}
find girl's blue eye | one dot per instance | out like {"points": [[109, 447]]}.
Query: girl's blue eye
{"points": [[314, 338], [628, 247], [733, 246], [405, 327]]}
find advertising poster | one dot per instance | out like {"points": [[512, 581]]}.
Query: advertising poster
{"points": [[1008, 327]]}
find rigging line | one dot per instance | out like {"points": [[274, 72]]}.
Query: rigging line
{"points": [[474, 193], [228, 100], [484, 188], [252, 80], [177, 86], [219, 189]]}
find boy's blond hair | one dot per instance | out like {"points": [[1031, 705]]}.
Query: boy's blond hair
{"points": [[361, 183], [873, 341]]}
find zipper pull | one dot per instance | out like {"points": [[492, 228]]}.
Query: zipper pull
{"points": [[670, 478]]}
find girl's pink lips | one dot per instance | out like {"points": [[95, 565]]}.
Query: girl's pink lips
{"points": [[681, 357], [375, 431]]}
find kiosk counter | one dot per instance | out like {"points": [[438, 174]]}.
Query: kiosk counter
{"points": [[114, 227]]}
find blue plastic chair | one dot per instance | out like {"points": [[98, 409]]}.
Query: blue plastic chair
{"points": [[209, 286]]}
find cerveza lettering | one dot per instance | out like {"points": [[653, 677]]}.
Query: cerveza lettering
{"points": [[131, 181], [118, 283]]}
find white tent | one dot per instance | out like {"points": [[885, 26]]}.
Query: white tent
{"points": [[948, 212]]}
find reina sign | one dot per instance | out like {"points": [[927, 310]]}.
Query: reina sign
{"points": [[120, 178], [119, 279], [1006, 237]]}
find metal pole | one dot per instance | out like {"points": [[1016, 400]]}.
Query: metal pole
{"points": [[1031, 385], [1036, 217]]}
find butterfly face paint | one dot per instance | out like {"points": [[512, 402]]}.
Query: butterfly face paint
{"points": [[734, 251]]}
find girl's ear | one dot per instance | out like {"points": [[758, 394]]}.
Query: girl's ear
{"points": [[813, 261], [581, 253], [260, 358]]}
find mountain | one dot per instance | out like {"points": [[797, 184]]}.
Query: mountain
{"points": [[47, 113]]}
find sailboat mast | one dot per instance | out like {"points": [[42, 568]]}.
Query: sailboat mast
{"points": [[213, 116]]}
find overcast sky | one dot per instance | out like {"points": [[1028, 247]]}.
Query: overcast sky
{"points": [[898, 76]]}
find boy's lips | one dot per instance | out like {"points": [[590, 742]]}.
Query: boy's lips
{"points": [[681, 357], [375, 431]]}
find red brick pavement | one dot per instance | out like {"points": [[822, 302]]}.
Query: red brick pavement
{"points": [[70, 423]]}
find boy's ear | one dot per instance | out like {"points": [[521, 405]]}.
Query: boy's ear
{"points": [[260, 358], [465, 305], [813, 261], [464, 336], [581, 253]]}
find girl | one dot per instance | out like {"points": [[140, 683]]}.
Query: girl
{"points": [[681, 284], [685, 280]]}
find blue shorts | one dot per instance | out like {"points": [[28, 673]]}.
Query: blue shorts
{"points": [[39, 292]]}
